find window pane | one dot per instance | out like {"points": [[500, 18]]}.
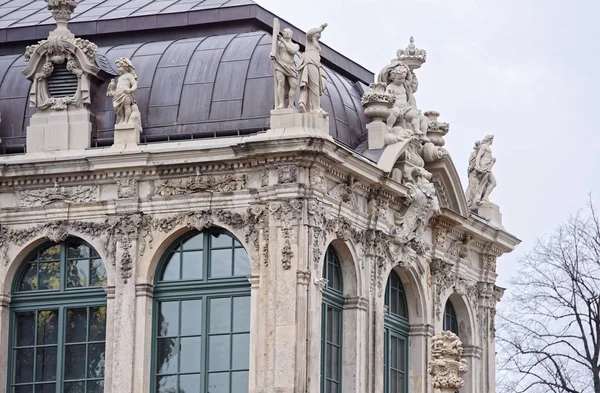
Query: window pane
{"points": [[195, 243], [96, 355], [24, 365], [167, 384], [219, 240], [189, 383], [46, 388], [23, 389], [218, 383], [74, 387], [171, 272], [239, 382], [97, 324], [49, 275], [191, 265], [95, 386], [191, 317], [335, 328], [30, 280], [168, 319], [401, 355], [218, 353], [220, 262], [98, 273], [241, 262], [241, 351], [76, 326], [190, 355], [78, 251], [166, 355], [25, 328], [47, 327], [50, 254], [241, 314], [220, 315], [45, 364], [74, 362], [78, 273]]}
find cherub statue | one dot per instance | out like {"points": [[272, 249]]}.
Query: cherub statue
{"points": [[312, 80], [286, 75], [122, 93], [481, 178], [402, 82]]}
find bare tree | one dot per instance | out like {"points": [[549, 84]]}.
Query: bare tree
{"points": [[549, 327]]}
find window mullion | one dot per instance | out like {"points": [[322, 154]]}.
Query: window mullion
{"points": [[60, 350]]}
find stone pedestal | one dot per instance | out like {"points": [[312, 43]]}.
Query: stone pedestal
{"points": [[126, 134], [68, 129], [490, 211], [377, 131], [289, 122]]}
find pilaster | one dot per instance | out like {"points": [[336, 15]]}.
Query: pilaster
{"points": [[4, 335]]}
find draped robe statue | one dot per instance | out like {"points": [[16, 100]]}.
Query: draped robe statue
{"points": [[481, 178], [312, 80]]}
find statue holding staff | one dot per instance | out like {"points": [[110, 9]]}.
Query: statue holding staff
{"points": [[282, 53], [312, 80]]}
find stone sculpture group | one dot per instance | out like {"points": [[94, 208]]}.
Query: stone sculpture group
{"points": [[308, 74]]}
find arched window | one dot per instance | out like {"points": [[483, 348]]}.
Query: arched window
{"points": [[202, 316], [450, 321], [331, 325], [395, 337], [58, 328]]}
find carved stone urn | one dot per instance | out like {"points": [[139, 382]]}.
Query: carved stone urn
{"points": [[436, 130], [61, 11], [378, 103], [447, 367]]}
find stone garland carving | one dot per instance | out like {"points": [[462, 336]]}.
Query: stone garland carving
{"points": [[123, 231], [488, 262], [447, 366], [317, 175], [443, 278], [287, 174], [481, 179], [287, 213], [200, 183], [79, 194], [61, 47], [460, 248], [264, 178], [344, 192], [127, 188]]}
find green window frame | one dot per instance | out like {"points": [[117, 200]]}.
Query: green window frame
{"points": [[58, 321], [395, 344], [202, 316], [450, 320], [332, 325]]}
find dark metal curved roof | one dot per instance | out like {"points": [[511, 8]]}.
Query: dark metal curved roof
{"points": [[191, 88]]}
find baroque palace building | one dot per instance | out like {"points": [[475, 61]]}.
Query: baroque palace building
{"points": [[164, 229]]}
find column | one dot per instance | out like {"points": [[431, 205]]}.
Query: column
{"points": [[144, 298], [4, 336]]}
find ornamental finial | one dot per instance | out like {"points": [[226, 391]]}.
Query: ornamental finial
{"points": [[412, 56], [62, 11]]}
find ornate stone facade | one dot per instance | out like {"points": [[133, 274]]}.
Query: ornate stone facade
{"points": [[286, 195]]}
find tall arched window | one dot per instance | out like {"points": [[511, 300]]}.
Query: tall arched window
{"points": [[58, 324], [395, 337], [331, 325], [202, 316], [450, 320]]}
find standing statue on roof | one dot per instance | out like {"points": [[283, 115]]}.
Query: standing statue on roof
{"points": [[312, 79], [481, 178], [282, 53], [122, 94]]}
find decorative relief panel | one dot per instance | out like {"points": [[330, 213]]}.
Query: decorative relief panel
{"points": [[79, 194], [200, 183]]}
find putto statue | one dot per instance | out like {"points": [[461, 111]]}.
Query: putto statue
{"points": [[481, 178], [283, 51], [312, 80], [122, 94]]}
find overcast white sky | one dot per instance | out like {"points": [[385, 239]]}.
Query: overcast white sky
{"points": [[523, 70]]}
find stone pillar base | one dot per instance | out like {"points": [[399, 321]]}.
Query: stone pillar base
{"points": [[490, 211], [126, 134], [288, 122], [69, 129], [377, 132]]}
